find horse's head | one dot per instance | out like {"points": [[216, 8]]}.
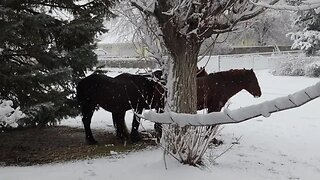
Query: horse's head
{"points": [[201, 72], [251, 83]]}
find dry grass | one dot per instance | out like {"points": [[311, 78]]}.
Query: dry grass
{"points": [[57, 144]]}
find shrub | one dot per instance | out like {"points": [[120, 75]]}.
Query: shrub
{"points": [[313, 69], [298, 66]]}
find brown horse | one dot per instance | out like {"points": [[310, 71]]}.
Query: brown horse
{"points": [[214, 90], [116, 95]]}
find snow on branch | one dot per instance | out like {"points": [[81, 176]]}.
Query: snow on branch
{"points": [[238, 115], [301, 7], [9, 116], [144, 7]]}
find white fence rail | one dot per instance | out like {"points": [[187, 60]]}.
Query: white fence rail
{"points": [[256, 61]]}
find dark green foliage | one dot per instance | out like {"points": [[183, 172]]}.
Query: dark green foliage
{"points": [[45, 48]]}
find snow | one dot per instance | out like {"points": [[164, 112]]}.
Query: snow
{"points": [[283, 146], [8, 115], [283, 5]]}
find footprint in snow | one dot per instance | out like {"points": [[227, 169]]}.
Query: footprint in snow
{"points": [[90, 172]]}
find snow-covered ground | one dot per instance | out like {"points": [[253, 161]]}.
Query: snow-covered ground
{"points": [[283, 146]]}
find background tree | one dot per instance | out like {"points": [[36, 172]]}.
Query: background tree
{"points": [[307, 20], [45, 47], [307, 36], [270, 28]]}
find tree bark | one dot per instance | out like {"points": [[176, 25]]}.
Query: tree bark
{"points": [[182, 97]]}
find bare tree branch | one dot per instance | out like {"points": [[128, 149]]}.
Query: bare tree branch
{"points": [[142, 8]]}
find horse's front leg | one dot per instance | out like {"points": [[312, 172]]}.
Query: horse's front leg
{"points": [[135, 137], [214, 108], [87, 112]]}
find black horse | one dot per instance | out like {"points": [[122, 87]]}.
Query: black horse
{"points": [[116, 95], [156, 101]]}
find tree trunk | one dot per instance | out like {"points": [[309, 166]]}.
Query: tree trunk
{"points": [[182, 91], [181, 79], [182, 97]]}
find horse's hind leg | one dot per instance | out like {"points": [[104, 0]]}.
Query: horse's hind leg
{"points": [[120, 125], [115, 119], [135, 137], [158, 130], [87, 112], [158, 127]]}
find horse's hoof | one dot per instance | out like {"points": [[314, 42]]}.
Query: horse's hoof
{"points": [[91, 142], [135, 137]]}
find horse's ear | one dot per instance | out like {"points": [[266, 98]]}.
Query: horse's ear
{"points": [[251, 69]]}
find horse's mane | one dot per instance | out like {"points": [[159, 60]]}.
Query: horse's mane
{"points": [[234, 74]]}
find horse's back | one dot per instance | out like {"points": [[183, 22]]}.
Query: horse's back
{"points": [[92, 81], [90, 85], [144, 89]]}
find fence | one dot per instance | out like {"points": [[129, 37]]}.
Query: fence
{"points": [[256, 61], [126, 62]]}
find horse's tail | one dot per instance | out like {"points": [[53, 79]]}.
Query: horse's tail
{"points": [[85, 89], [80, 95]]}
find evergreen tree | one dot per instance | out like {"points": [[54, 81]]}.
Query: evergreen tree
{"points": [[45, 48], [307, 37]]}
